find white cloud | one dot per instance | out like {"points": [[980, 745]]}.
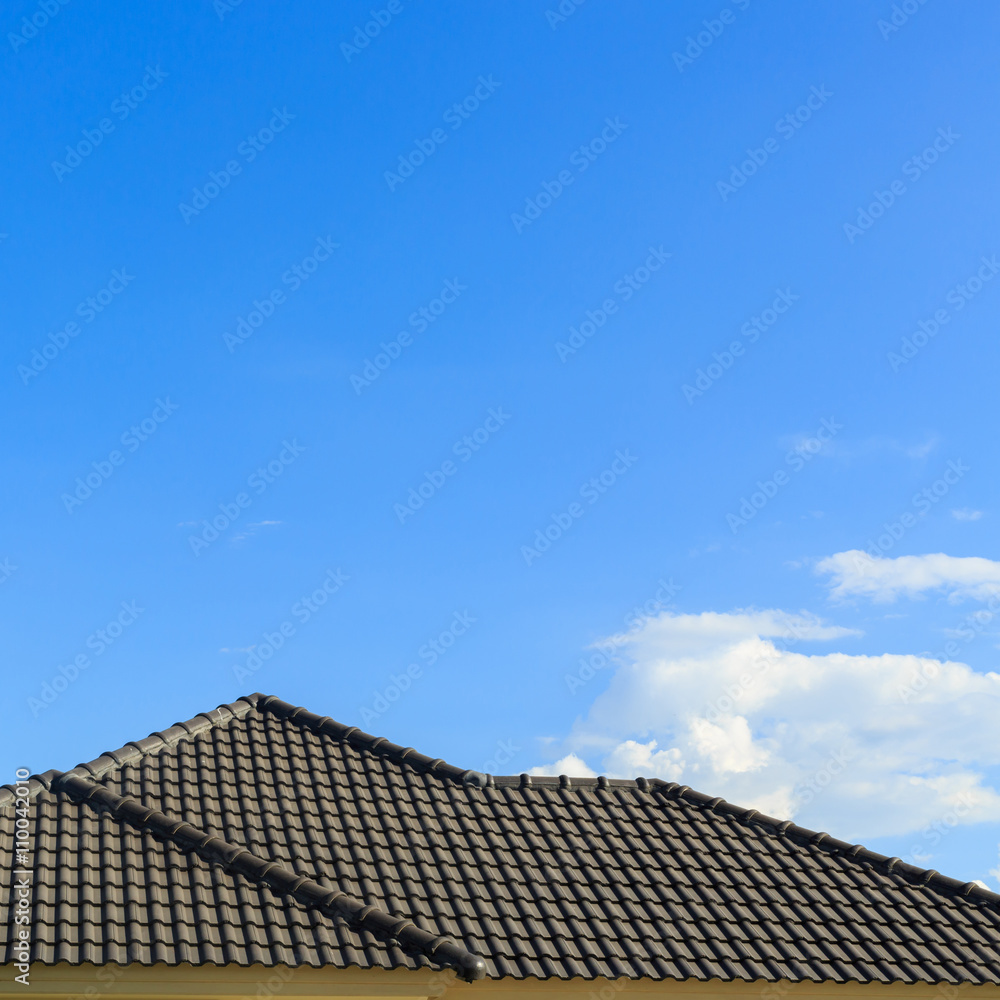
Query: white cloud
{"points": [[857, 573], [570, 765], [694, 631], [966, 514], [727, 744], [632, 757], [856, 744]]}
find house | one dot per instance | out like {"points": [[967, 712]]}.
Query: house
{"points": [[260, 850]]}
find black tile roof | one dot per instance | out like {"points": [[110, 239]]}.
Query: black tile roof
{"points": [[260, 833]]}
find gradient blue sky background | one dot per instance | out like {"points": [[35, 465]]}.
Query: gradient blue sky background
{"points": [[887, 96]]}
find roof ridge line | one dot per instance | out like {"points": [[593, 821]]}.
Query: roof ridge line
{"points": [[818, 838], [136, 749], [358, 738], [284, 882]]}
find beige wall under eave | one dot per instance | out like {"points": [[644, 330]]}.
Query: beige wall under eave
{"points": [[211, 982]]}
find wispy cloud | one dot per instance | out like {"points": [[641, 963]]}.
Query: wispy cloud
{"points": [[880, 445], [856, 573], [923, 449], [251, 529], [966, 514]]}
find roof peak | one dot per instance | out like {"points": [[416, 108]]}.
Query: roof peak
{"points": [[135, 750]]}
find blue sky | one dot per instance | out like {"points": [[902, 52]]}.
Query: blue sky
{"points": [[415, 368]]}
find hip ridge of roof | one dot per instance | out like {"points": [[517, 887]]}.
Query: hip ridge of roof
{"points": [[283, 881], [815, 838]]}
